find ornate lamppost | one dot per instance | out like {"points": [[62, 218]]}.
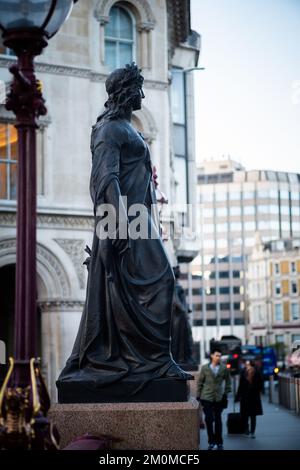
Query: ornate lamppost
{"points": [[27, 26]]}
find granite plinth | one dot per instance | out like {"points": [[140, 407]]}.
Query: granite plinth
{"points": [[168, 426], [194, 383]]}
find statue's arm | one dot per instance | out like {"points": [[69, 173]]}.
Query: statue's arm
{"points": [[106, 148], [112, 195]]}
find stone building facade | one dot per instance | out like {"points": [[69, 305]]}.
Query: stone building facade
{"points": [[273, 278], [99, 35], [234, 204]]}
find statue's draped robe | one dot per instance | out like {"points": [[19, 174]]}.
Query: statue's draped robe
{"points": [[125, 326], [181, 332]]}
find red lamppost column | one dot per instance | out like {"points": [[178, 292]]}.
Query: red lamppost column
{"points": [[24, 399]]}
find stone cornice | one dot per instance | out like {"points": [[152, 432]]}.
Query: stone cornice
{"points": [[52, 221], [80, 72]]}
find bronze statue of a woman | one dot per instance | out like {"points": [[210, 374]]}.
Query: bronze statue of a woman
{"points": [[123, 343]]}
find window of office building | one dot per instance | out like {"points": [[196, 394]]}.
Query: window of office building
{"points": [[277, 268], [295, 310], [234, 195], [284, 194], [274, 225], [210, 307], [224, 290], [223, 274], [271, 175], [249, 241], [285, 226], [221, 196], [249, 210], [278, 312], [223, 227], [248, 195], [295, 338], [274, 209], [235, 226], [279, 339], [296, 227], [208, 212], [180, 178], [295, 195], [236, 289], [222, 243], [293, 267], [207, 196], [119, 37], [295, 210], [284, 210], [263, 194], [179, 134], [263, 209], [235, 210], [263, 225], [208, 243], [236, 242], [210, 291], [249, 225], [273, 194], [278, 288], [294, 287], [208, 228], [221, 211], [224, 306]]}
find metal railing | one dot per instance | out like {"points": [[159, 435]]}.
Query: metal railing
{"points": [[289, 392]]}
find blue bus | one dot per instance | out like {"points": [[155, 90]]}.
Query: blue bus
{"points": [[264, 357]]}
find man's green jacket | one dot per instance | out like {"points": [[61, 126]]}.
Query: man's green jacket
{"points": [[211, 387]]}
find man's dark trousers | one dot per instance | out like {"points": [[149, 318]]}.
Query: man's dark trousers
{"points": [[213, 415]]}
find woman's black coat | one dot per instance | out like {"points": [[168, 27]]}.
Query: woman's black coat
{"points": [[249, 394]]}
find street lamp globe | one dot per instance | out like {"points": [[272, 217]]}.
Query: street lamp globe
{"points": [[23, 21]]}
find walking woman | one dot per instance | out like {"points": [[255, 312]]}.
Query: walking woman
{"points": [[249, 390]]}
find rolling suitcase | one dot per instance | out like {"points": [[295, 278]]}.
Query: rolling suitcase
{"points": [[235, 424]]}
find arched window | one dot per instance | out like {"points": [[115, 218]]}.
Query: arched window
{"points": [[119, 38]]}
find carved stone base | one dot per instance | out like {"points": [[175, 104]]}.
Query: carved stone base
{"points": [[138, 425], [158, 390]]}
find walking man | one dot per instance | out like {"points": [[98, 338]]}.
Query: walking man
{"points": [[214, 384]]}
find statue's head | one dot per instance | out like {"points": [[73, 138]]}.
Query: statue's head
{"points": [[124, 89]]}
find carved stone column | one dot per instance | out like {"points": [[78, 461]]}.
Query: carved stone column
{"points": [[103, 20], [60, 322], [144, 30]]}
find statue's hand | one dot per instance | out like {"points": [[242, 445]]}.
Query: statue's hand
{"points": [[88, 259]]}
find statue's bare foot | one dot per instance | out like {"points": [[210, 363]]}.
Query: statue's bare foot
{"points": [[175, 372]]}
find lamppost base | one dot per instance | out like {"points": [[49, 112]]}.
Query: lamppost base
{"points": [[24, 404]]}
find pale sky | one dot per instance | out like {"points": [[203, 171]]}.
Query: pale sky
{"points": [[248, 96]]}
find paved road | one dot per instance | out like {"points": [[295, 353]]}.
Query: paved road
{"points": [[277, 429]]}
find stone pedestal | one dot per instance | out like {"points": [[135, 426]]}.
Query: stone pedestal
{"points": [[139, 425], [193, 383]]}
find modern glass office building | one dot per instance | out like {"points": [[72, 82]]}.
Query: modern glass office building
{"points": [[234, 204]]}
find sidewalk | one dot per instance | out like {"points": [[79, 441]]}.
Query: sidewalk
{"points": [[277, 429]]}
